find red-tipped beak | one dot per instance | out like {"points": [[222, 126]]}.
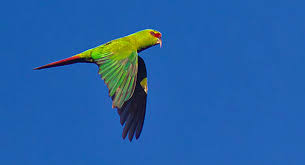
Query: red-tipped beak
{"points": [[67, 61], [159, 42]]}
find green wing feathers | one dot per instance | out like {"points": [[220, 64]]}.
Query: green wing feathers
{"points": [[132, 113], [118, 68]]}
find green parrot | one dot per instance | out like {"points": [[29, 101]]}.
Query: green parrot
{"points": [[124, 73]]}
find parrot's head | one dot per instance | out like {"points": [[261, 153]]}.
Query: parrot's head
{"points": [[147, 38], [156, 37]]}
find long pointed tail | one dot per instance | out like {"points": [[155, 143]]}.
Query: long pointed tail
{"points": [[67, 61]]}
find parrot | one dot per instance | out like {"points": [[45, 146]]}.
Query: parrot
{"points": [[124, 73]]}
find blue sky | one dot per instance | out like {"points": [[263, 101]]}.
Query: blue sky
{"points": [[227, 87]]}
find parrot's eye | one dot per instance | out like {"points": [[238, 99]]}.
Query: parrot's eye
{"points": [[157, 35]]}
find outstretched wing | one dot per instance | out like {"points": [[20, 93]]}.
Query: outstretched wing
{"points": [[132, 113], [118, 66]]}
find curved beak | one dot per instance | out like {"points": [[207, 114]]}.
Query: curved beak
{"points": [[159, 42]]}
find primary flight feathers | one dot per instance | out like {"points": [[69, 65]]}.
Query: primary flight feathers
{"points": [[124, 73]]}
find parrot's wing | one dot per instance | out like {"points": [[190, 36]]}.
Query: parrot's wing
{"points": [[133, 111], [118, 67]]}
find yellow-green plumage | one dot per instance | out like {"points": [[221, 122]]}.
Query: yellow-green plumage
{"points": [[118, 62], [124, 74]]}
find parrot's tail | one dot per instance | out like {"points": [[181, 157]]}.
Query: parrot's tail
{"points": [[67, 61]]}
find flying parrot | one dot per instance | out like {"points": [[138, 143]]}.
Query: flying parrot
{"points": [[124, 73]]}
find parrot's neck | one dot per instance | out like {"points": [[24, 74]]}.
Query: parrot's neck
{"points": [[143, 47], [141, 42]]}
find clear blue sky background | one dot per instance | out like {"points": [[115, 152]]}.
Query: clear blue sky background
{"points": [[228, 87]]}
